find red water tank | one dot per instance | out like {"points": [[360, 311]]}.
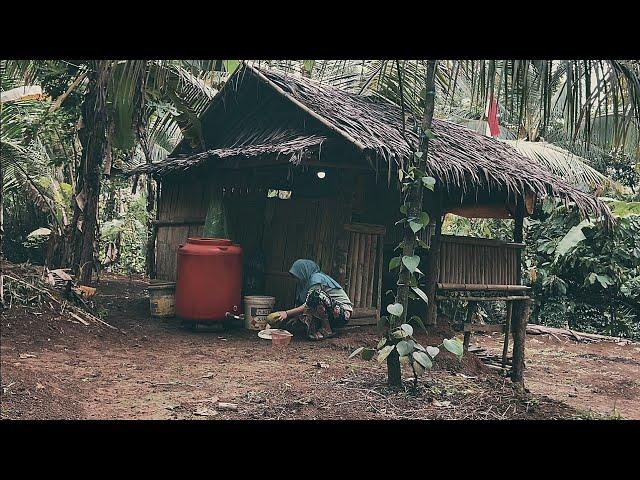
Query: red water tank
{"points": [[209, 279]]}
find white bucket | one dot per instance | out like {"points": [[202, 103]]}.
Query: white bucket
{"points": [[256, 310]]}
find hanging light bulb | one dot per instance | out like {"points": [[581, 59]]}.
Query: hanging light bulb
{"points": [[321, 174]]}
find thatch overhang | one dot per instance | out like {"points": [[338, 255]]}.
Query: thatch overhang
{"points": [[299, 115]]}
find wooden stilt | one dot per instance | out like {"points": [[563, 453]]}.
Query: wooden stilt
{"points": [[507, 328], [471, 308], [520, 317]]}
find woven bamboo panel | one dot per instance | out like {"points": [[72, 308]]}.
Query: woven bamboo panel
{"points": [[363, 259], [467, 260]]}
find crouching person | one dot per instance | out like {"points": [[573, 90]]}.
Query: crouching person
{"points": [[323, 304]]}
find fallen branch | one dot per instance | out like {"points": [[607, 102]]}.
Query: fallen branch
{"points": [[73, 310], [534, 329]]}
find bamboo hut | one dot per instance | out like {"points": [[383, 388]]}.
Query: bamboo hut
{"points": [[338, 154]]}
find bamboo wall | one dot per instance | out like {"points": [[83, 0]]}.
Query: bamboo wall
{"points": [[468, 260], [296, 228], [182, 209]]}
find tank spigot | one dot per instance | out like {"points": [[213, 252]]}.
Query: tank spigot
{"points": [[230, 315]]}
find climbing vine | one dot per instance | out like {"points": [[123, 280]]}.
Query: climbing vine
{"points": [[398, 346]]}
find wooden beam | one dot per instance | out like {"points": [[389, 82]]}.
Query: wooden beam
{"points": [[472, 327], [481, 241], [241, 163], [365, 228], [469, 287], [364, 312], [511, 298], [178, 222]]}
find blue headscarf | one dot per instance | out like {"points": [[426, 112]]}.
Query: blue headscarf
{"points": [[308, 273]]}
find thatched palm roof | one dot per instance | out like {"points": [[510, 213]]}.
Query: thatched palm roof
{"points": [[458, 157]]}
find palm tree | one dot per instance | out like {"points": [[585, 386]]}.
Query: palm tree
{"points": [[120, 97]]}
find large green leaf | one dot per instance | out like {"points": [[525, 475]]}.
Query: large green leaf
{"points": [[415, 226], [454, 345], [368, 353], [394, 263], [418, 368], [404, 348], [231, 65], [382, 323], [395, 309], [418, 321], [411, 262], [423, 359], [384, 353], [573, 237], [623, 209], [421, 294], [604, 280], [356, 352], [433, 351], [429, 182], [406, 328]]}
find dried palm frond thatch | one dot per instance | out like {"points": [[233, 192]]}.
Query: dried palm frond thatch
{"points": [[460, 159]]}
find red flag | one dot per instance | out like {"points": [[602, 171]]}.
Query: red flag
{"points": [[492, 117]]}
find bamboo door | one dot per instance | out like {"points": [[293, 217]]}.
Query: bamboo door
{"points": [[363, 281]]}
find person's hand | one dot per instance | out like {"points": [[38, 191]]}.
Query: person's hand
{"points": [[282, 316]]}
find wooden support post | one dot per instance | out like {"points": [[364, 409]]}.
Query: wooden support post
{"points": [[151, 243], [434, 270], [520, 318], [507, 328], [520, 310], [518, 236], [471, 308]]}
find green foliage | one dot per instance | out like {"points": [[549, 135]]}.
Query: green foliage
{"points": [[582, 275], [411, 262], [409, 351], [128, 233]]}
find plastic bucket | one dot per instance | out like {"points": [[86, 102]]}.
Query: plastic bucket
{"points": [[256, 310], [162, 299]]}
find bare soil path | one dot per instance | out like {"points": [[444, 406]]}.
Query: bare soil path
{"points": [[53, 368], [603, 378]]}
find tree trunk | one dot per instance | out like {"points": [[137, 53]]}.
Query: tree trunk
{"points": [[414, 207], [151, 231], [1, 235], [414, 197], [95, 144], [394, 371]]}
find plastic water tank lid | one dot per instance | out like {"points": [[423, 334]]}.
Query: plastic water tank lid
{"points": [[210, 241]]}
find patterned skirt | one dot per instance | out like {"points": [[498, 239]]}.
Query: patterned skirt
{"points": [[319, 306]]}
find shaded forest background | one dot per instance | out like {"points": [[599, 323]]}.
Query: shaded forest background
{"points": [[69, 127]]}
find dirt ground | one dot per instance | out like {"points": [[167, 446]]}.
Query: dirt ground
{"points": [[55, 368]]}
